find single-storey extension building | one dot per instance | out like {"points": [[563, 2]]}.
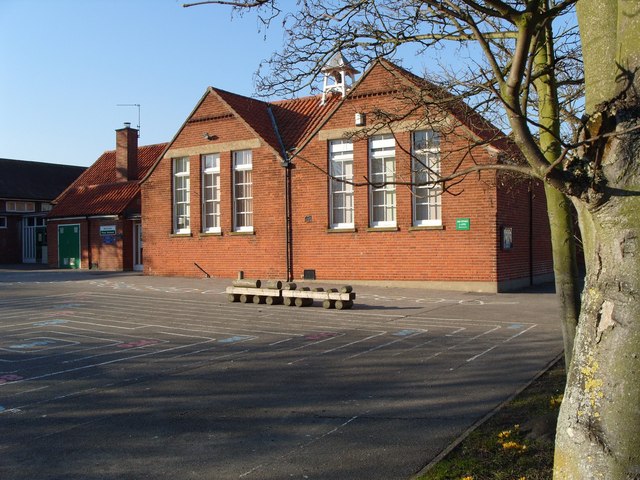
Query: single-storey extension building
{"points": [[378, 180], [96, 222], [26, 192]]}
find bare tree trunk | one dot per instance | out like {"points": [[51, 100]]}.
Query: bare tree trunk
{"points": [[565, 268], [598, 433], [559, 208]]}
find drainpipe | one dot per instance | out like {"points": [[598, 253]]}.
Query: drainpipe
{"points": [[288, 227], [89, 258], [530, 233], [288, 221]]}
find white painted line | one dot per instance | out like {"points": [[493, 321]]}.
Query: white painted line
{"points": [[312, 343], [521, 332], [504, 341], [456, 331], [117, 360], [414, 347], [299, 447], [377, 347], [481, 354], [336, 348]]}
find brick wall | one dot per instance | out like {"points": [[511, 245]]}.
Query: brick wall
{"points": [[523, 209], [113, 254], [10, 245], [407, 253], [52, 239], [440, 254], [258, 254]]}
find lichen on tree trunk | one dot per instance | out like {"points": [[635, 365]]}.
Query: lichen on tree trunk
{"points": [[599, 425], [598, 434]]}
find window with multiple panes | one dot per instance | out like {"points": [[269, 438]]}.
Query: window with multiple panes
{"points": [[382, 175], [341, 193], [211, 193], [14, 206], [242, 191], [34, 221], [425, 166], [427, 196], [181, 200]]}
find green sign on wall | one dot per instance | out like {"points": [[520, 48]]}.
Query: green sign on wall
{"points": [[463, 224]]}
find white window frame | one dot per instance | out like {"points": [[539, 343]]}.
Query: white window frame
{"points": [[243, 200], [382, 170], [3, 222], [341, 198], [211, 193], [46, 207], [20, 207], [425, 167], [181, 189]]}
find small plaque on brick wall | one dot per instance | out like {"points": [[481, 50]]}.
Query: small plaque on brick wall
{"points": [[463, 224]]}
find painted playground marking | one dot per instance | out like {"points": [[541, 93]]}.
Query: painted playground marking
{"points": [[138, 343], [46, 323], [36, 344], [320, 336], [235, 339], [9, 378], [303, 337]]}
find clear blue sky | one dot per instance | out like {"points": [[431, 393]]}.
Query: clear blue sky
{"points": [[66, 64]]}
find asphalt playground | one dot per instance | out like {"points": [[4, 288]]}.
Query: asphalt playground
{"points": [[122, 376]]}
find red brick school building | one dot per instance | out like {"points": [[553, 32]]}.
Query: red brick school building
{"points": [[334, 187]]}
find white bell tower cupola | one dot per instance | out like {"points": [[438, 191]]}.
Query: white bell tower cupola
{"points": [[336, 72]]}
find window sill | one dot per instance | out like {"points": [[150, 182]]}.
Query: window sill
{"points": [[426, 227], [181, 235], [240, 234], [341, 230], [382, 229], [210, 234]]}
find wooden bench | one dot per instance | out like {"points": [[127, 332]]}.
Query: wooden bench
{"points": [[275, 292]]}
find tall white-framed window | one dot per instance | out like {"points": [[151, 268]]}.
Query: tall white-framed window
{"points": [[425, 167], [340, 192], [181, 195], [242, 191], [211, 193], [382, 174]]}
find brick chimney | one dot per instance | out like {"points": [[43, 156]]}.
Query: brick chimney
{"points": [[126, 153]]}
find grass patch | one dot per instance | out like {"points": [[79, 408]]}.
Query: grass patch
{"points": [[516, 443]]}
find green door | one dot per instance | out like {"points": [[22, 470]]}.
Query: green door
{"points": [[69, 246]]}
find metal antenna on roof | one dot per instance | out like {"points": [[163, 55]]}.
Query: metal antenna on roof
{"points": [[132, 105]]}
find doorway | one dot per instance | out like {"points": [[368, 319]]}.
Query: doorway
{"points": [[69, 246]]}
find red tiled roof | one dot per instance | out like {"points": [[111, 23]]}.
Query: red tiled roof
{"points": [[104, 199], [96, 191], [104, 169], [297, 118], [255, 113], [294, 118]]}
